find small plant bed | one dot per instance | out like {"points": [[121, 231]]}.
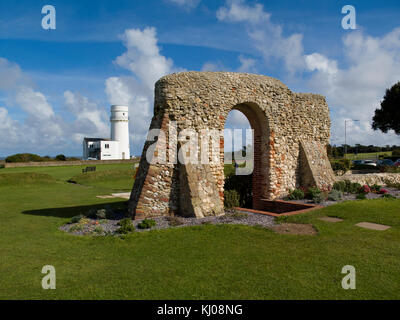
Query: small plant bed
{"points": [[342, 191], [276, 208], [121, 225]]}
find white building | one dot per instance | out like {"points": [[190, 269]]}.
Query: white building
{"points": [[115, 148]]}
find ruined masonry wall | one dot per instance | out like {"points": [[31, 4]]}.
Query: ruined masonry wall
{"points": [[202, 100]]}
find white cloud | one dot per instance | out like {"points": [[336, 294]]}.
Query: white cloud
{"points": [[127, 91], [352, 92], [90, 120], [267, 37], [143, 57], [11, 75], [8, 129], [34, 103], [40, 128], [355, 92], [322, 64], [43, 129], [247, 65], [187, 4], [213, 66], [235, 120], [144, 60], [237, 11]]}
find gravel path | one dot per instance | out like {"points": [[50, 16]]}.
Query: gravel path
{"points": [[88, 226]]}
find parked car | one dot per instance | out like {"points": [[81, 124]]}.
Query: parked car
{"points": [[90, 158], [369, 163], [386, 162], [397, 163]]}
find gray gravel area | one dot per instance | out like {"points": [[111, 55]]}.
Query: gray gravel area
{"points": [[88, 226], [101, 227], [349, 196]]}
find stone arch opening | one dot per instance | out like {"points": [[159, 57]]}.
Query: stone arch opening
{"points": [[260, 152]]}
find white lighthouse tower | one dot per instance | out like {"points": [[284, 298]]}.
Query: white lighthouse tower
{"points": [[115, 148], [120, 129]]}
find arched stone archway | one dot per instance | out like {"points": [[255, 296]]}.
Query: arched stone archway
{"points": [[259, 124], [291, 134]]}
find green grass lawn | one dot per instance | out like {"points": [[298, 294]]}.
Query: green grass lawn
{"points": [[203, 262], [66, 172]]}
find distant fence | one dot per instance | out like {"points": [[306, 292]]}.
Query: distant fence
{"points": [[66, 163]]}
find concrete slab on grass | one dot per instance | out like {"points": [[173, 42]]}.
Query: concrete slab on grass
{"points": [[105, 197], [124, 195], [372, 226], [330, 219]]}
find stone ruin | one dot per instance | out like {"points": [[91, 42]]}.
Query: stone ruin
{"points": [[291, 132]]}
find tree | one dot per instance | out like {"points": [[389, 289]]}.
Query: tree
{"points": [[61, 157], [24, 157], [388, 116]]}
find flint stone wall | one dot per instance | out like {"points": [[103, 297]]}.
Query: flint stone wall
{"points": [[372, 178], [291, 131]]}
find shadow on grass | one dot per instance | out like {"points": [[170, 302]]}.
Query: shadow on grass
{"points": [[69, 212]]}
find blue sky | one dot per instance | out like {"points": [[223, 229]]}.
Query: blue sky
{"points": [[58, 84]]}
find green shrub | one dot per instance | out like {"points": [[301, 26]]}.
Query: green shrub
{"points": [[375, 188], [229, 170], [341, 165], [98, 229], [281, 219], [296, 194], [77, 227], [61, 157], [335, 195], [126, 226], [339, 186], [346, 186], [24, 157], [353, 187], [147, 224], [101, 214], [231, 199], [361, 196], [243, 185], [318, 197], [77, 218], [388, 196], [312, 192]]}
